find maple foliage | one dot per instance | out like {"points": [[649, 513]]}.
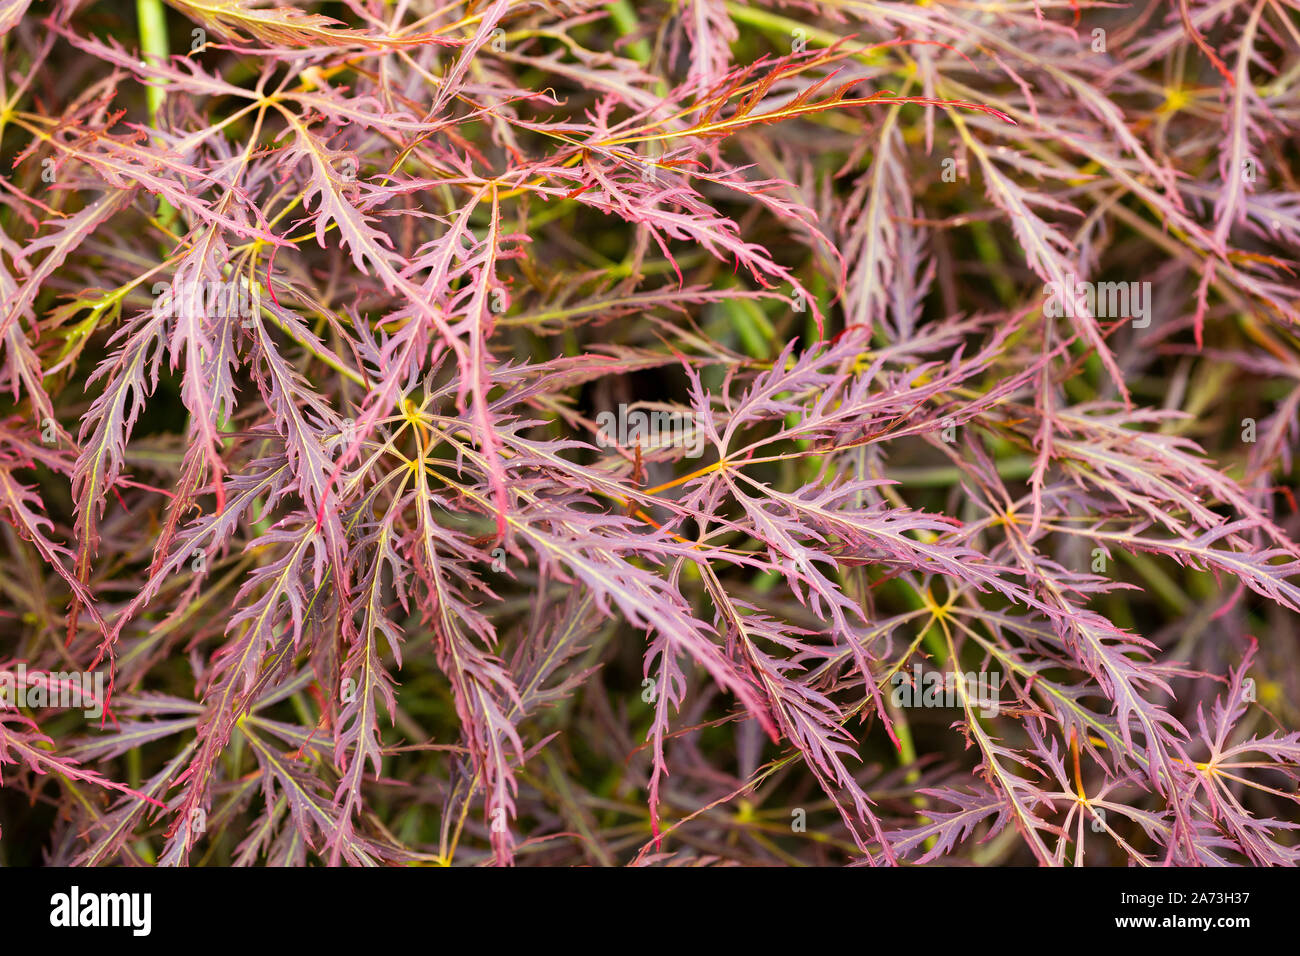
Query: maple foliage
{"points": [[311, 328]]}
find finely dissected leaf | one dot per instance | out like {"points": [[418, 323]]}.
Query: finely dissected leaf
{"points": [[11, 12], [559, 432], [288, 26]]}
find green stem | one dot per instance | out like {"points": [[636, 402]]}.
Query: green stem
{"points": [[153, 40], [773, 23], [625, 21]]}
